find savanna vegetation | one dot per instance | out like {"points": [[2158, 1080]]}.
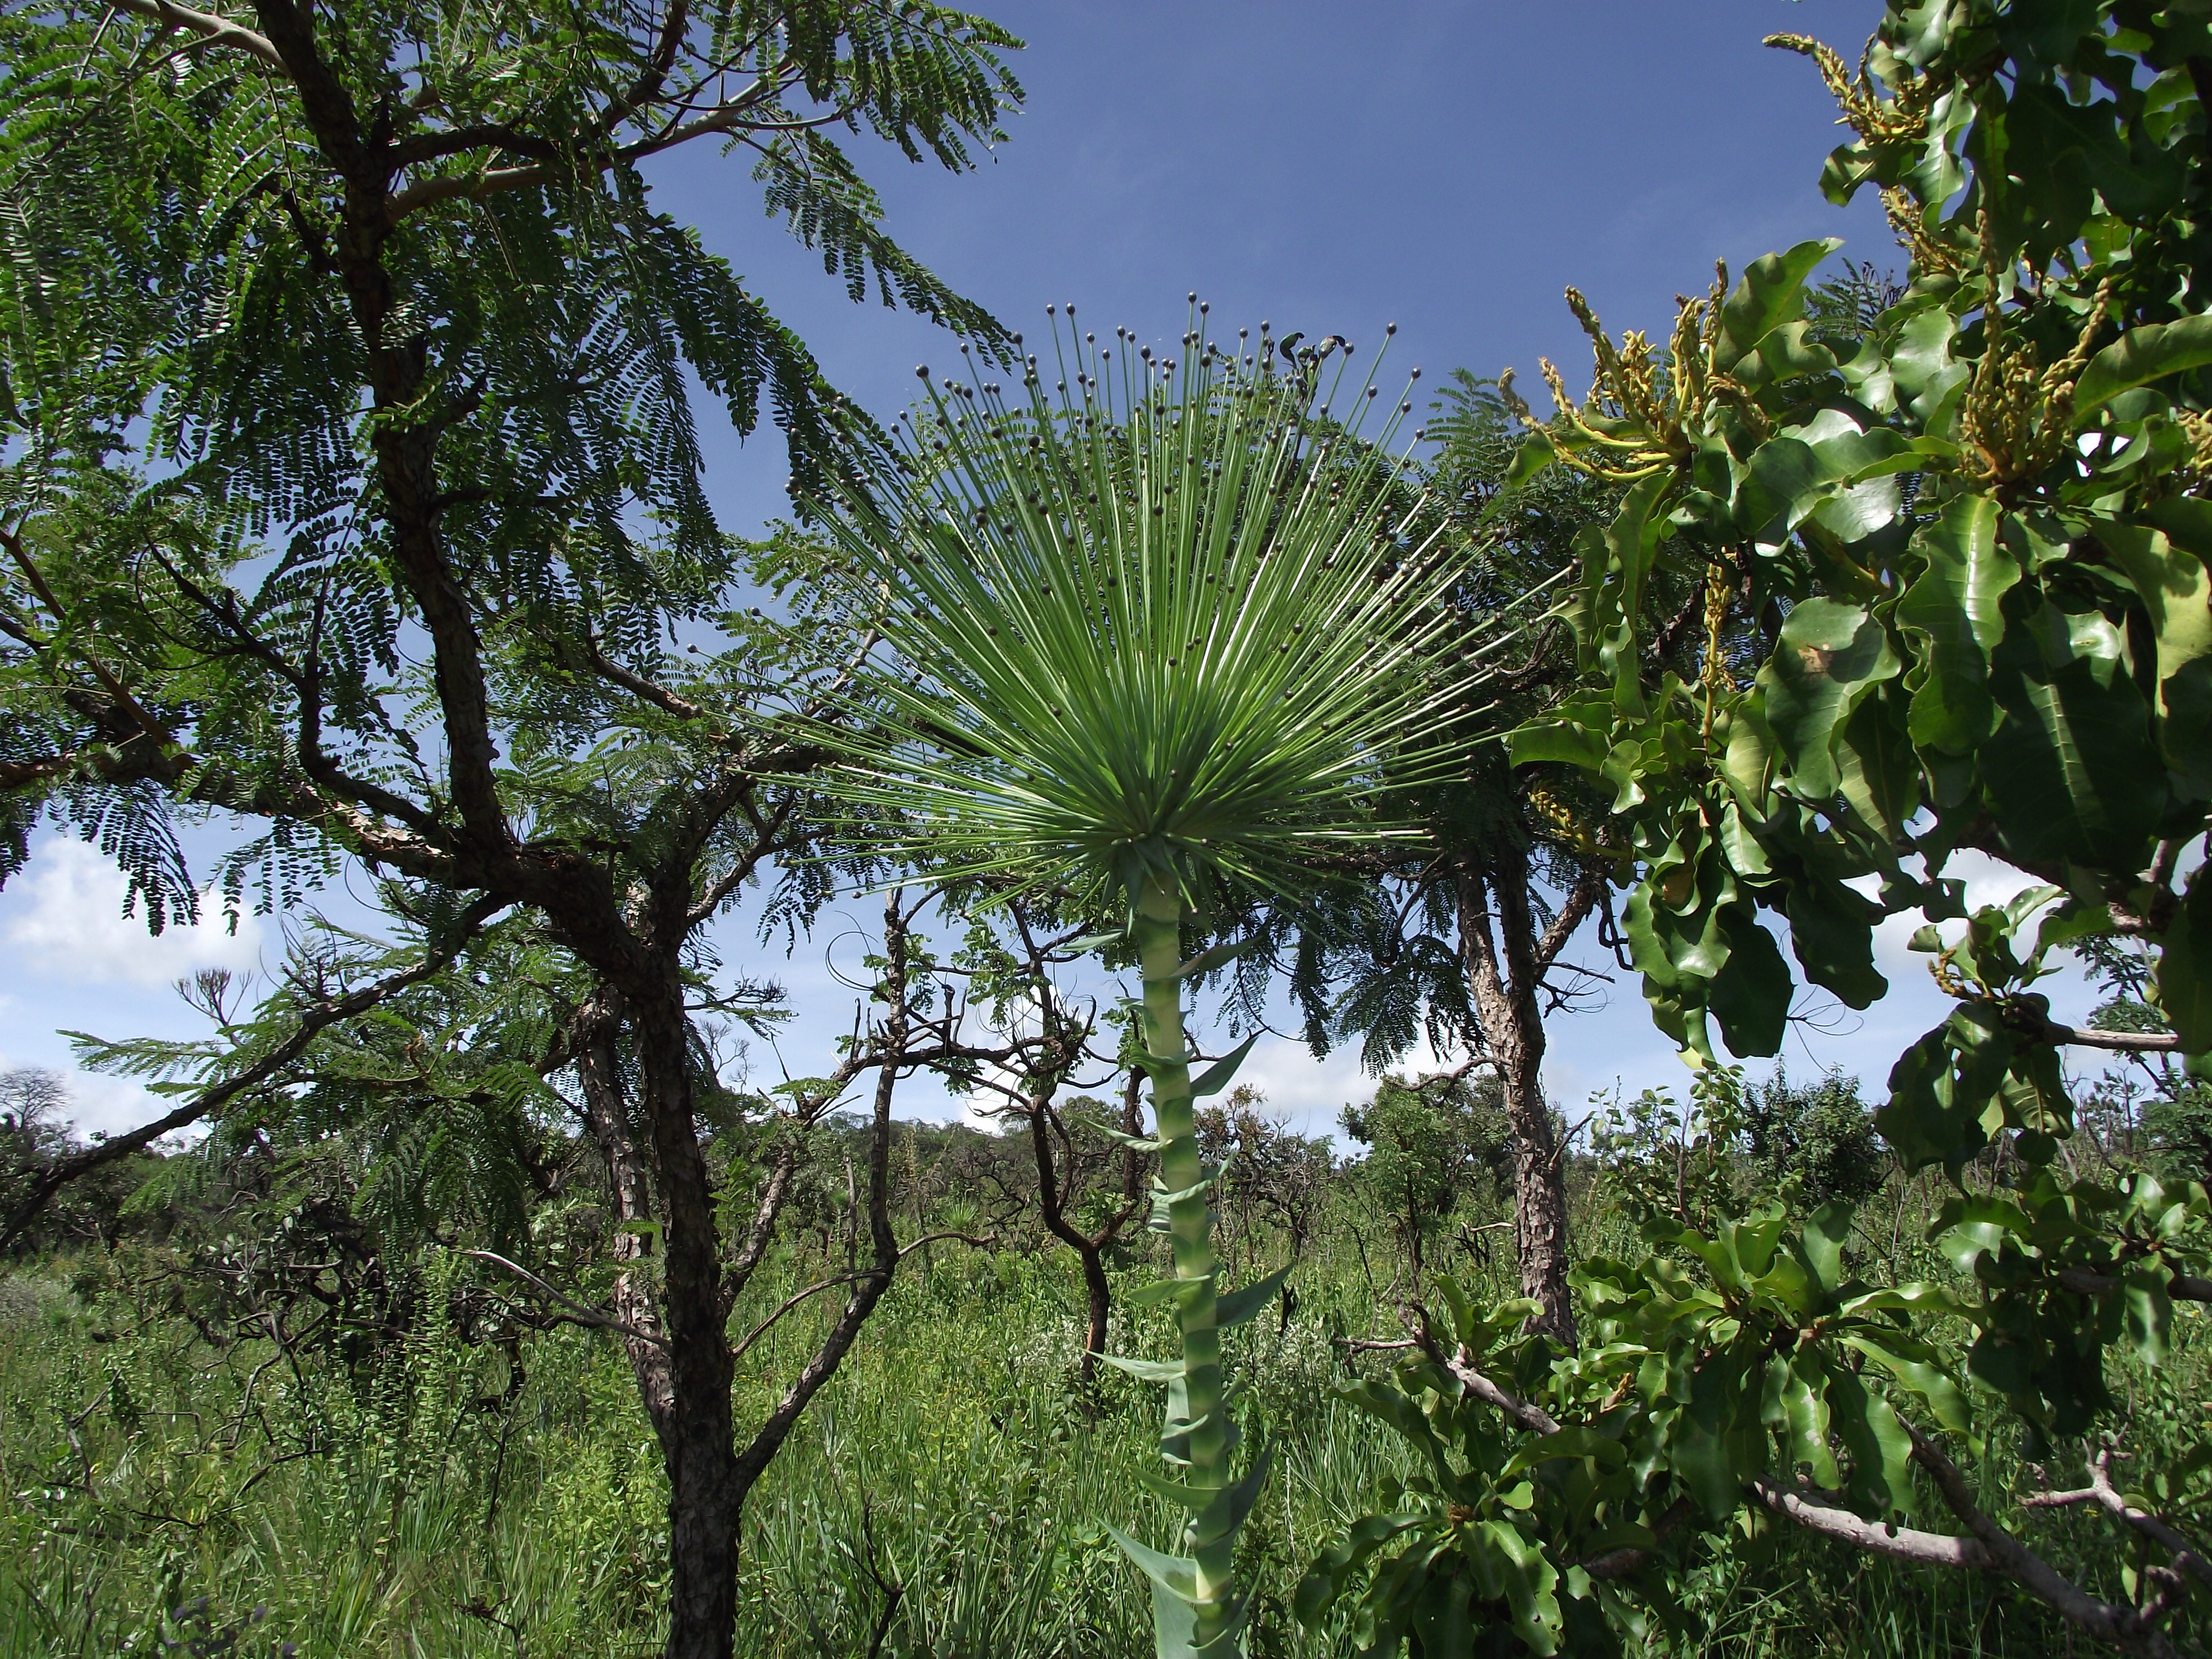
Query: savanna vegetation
{"points": [[353, 519]]}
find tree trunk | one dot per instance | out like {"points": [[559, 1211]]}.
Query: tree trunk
{"points": [[607, 1117], [705, 1500], [1540, 1186], [1051, 1200], [1503, 964]]}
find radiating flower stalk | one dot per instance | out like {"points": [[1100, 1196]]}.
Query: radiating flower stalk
{"points": [[1163, 630]]}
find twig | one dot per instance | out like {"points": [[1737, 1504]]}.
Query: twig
{"points": [[986, 1242], [576, 1309], [2101, 1492]]}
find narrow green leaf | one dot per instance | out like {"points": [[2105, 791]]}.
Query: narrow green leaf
{"points": [[1217, 1077], [1237, 1306], [1176, 1574], [1162, 1290], [1147, 1370]]}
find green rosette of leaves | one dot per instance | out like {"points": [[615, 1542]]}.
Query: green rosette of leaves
{"points": [[1160, 634]]}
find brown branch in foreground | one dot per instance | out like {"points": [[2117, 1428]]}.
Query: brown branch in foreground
{"points": [[1806, 1506], [58, 1174], [2039, 1028], [1989, 1547], [2101, 1492], [213, 30], [2123, 1626]]}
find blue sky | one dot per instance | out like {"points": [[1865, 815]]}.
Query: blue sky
{"points": [[1450, 167]]}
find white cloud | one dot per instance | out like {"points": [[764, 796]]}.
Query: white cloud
{"points": [[68, 924], [1989, 881], [103, 1105]]}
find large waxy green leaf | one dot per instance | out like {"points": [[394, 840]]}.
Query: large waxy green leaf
{"points": [[1529, 1580], [1944, 1102], [1567, 741], [1325, 1579], [2184, 663], [1701, 1443], [1787, 480], [2185, 967], [1881, 1451], [1175, 1612], [1916, 1372], [2141, 357], [1820, 1246], [1974, 1225], [1536, 452], [1609, 605], [1769, 292], [2170, 573], [1956, 606], [1809, 1437], [2176, 589], [1928, 377], [2147, 1305], [1831, 653], [1575, 1442], [1876, 766], [1751, 993], [2071, 771]]}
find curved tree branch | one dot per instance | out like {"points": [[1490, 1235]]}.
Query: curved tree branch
{"points": [[213, 30], [314, 1020]]}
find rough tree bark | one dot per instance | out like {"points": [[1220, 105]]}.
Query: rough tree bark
{"points": [[1505, 958], [677, 1336]]}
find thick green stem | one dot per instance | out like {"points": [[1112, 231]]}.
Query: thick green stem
{"points": [[1206, 1443]]}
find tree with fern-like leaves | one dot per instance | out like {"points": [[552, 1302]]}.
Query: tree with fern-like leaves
{"points": [[351, 497]]}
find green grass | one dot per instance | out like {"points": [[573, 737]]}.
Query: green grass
{"points": [[952, 1485]]}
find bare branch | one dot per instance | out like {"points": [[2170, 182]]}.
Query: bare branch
{"points": [[1582, 899], [983, 1242], [2124, 1626], [1929, 1549], [213, 30], [2101, 1492], [575, 1309], [2040, 1030]]}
